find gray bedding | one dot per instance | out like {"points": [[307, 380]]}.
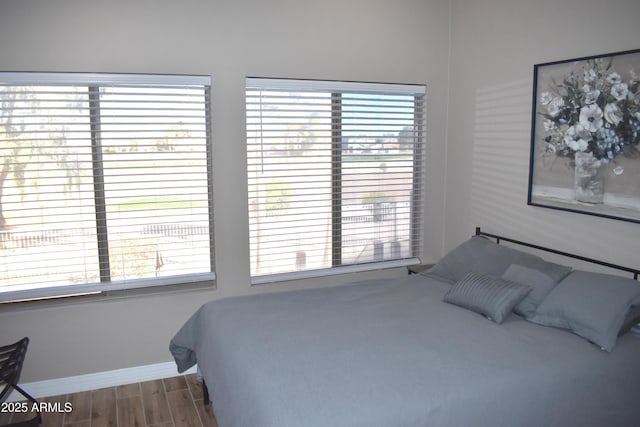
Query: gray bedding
{"points": [[391, 353]]}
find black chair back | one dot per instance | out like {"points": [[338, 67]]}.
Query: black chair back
{"points": [[11, 360]]}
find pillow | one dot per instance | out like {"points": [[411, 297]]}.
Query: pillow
{"points": [[631, 319], [556, 272], [592, 305], [485, 256], [491, 296], [540, 283]]}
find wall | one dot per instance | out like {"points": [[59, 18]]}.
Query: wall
{"points": [[366, 40], [494, 45]]}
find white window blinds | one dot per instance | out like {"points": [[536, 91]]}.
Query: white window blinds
{"points": [[335, 173], [105, 182]]}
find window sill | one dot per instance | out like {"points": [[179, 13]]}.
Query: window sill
{"points": [[309, 274], [108, 296]]}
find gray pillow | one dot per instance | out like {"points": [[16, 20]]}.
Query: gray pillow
{"points": [[592, 305], [491, 296], [556, 272], [540, 283], [485, 256], [631, 319]]}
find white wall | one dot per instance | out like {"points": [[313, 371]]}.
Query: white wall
{"points": [[366, 40], [495, 44]]}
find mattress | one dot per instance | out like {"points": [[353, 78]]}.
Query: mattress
{"points": [[392, 353]]}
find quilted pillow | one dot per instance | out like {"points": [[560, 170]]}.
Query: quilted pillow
{"points": [[592, 305], [491, 296]]}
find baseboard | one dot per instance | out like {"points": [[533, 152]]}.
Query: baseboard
{"points": [[62, 386]]}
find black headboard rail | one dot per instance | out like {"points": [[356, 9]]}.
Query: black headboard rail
{"points": [[633, 271]]}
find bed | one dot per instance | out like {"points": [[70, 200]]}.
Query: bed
{"points": [[490, 336]]}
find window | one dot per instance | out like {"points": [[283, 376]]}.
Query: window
{"points": [[105, 183], [335, 173]]}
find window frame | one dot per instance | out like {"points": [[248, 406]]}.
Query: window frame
{"points": [[419, 164], [93, 82]]}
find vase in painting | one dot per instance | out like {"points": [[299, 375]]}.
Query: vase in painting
{"points": [[588, 178]]}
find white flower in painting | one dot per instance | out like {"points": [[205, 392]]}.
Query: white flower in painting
{"points": [[590, 95], [579, 145], [590, 75], [555, 106], [619, 91], [549, 125], [577, 138], [551, 148], [613, 114], [614, 78], [591, 117], [546, 98]]}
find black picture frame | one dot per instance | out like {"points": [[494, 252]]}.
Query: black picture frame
{"points": [[585, 136]]}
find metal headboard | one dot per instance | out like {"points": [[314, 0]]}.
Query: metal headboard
{"points": [[633, 271]]}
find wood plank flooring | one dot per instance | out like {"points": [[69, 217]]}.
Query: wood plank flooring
{"points": [[169, 402]]}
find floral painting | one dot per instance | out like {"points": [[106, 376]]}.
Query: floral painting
{"points": [[585, 139]]}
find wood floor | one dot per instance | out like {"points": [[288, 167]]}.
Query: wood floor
{"points": [[170, 402]]}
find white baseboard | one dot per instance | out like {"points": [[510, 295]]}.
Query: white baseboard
{"points": [[62, 386]]}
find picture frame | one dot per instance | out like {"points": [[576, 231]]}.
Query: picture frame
{"points": [[585, 136]]}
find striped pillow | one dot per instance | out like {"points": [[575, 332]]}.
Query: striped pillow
{"points": [[488, 295]]}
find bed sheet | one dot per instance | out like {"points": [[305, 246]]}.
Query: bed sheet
{"points": [[391, 353]]}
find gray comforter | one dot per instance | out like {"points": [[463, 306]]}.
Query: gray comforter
{"points": [[391, 353]]}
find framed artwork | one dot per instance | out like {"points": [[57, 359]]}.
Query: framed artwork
{"points": [[585, 134]]}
